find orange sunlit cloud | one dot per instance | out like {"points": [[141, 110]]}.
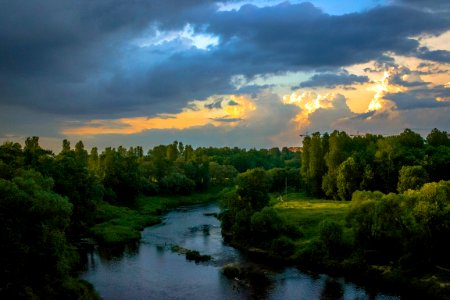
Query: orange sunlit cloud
{"points": [[370, 96], [309, 102], [228, 112]]}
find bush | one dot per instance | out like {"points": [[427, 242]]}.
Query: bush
{"points": [[330, 234], [411, 178], [283, 246], [232, 271], [177, 184]]}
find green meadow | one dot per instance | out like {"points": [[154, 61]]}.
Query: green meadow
{"points": [[119, 224], [307, 213]]}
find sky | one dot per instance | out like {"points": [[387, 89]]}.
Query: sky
{"points": [[251, 74]]}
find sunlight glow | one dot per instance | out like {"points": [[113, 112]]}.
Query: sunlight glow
{"points": [[218, 111], [187, 35], [309, 102]]}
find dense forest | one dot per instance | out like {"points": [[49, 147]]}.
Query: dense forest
{"points": [[394, 231], [399, 213], [48, 202]]}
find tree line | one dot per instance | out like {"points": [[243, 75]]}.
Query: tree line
{"points": [[398, 219], [48, 201], [335, 165]]}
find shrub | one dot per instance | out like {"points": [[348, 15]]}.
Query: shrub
{"points": [[330, 234]]}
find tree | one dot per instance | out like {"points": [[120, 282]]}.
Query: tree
{"points": [[239, 207], [120, 175], [438, 138], [411, 177], [348, 178], [35, 256], [73, 180], [222, 174], [81, 155], [330, 234], [279, 179], [253, 188], [34, 155], [11, 158], [177, 184], [317, 166], [339, 144], [266, 226]]}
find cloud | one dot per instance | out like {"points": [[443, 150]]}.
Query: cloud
{"points": [[331, 80], [421, 98], [442, 56], [436, 6], [197, 113], [226, 119], [81, 59], [405, 77], [139, 68]]}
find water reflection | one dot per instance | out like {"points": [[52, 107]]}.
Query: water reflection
{"points": [[117, 252], [332, 290], [151, 270]]}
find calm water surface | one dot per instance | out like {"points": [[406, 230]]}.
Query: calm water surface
{"points": [[150, 270]]}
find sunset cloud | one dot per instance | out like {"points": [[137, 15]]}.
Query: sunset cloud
{"points": [[215, 111], [244, 71]]}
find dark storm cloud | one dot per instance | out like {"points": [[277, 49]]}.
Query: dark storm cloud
{"points": [[440, 6], [62, 56], [421, 98], [331, 80], [442, 56], [398, 75], [302, 36], [76, 57]]}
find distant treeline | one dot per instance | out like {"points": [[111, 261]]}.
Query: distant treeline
{"points": [[335, 165]]}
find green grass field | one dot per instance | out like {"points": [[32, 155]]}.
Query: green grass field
{"points": [[307, 213], [117, 224]]}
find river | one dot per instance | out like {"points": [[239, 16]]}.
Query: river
{"points": [[151, 270]]}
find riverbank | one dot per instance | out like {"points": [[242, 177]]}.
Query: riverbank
{"points": [[118, 224], [310, 254]]}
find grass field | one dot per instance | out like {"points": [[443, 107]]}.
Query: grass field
{"points": [[307, 213], [117, 224]]}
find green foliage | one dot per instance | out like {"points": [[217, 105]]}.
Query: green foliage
{"points": [[411, 224], [279, 179], [242, 208], [266, 225], [196, 256], [177, 184], [348, 178], [118, 224], [376, 161], [253, 187], [73, 180], [331, 234], [411, 177], [283, 246], [35, 254], [222, 175], [410, 229], [339, 148], [317, 167], [438, 138]]}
